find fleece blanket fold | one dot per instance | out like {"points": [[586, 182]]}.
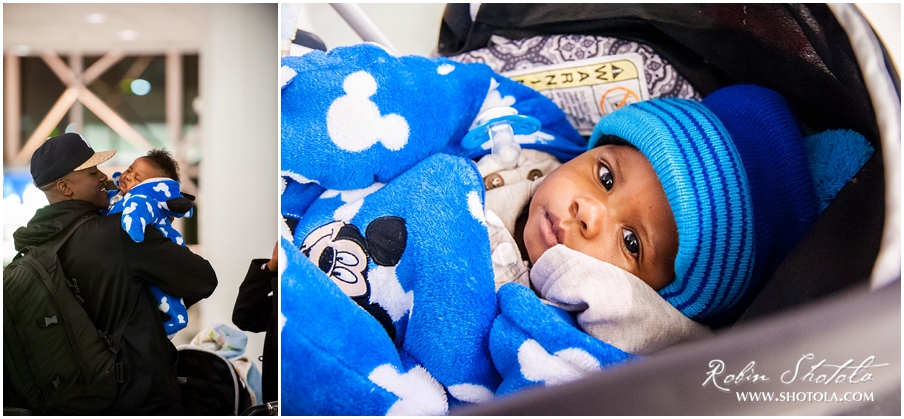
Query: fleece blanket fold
{"points": [[414, 257], [381, 114], [388, 298], [537, 344]]}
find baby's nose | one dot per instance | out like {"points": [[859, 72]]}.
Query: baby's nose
{"points": [[590, 214]]}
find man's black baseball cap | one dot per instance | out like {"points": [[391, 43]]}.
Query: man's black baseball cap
{"points": [[64, 154]]}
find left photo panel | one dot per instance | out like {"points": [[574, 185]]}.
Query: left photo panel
{"points": [[140, 180]]}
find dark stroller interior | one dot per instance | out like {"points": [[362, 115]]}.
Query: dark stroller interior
{"points": [[210, 386], [802, 52]]}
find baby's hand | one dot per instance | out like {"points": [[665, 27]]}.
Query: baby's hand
{"points": [[273, 263]]}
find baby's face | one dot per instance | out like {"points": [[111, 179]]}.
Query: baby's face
{"points": [[140, 170], [607, 203]]}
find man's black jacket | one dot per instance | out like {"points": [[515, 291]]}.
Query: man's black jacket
{"points": [[113, 273]]}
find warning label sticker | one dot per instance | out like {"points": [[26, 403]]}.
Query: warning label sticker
{"points": [[588, 89]]}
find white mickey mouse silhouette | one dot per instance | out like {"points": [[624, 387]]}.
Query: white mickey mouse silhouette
{"points": [[494, 98], [476, 207], [127, 219], [286, 75], [471, 393], [162, 187], [445, 69], [353, 200], [354, 122], [418, 392], [164, 304], [552, 369], [387, 291]]}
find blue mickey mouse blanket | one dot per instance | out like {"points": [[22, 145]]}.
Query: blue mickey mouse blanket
{"points": [[388, 299]]}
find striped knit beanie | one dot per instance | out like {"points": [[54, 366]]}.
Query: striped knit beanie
{"points": [[735, 170]]}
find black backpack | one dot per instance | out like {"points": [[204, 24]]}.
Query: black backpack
{"points": [[55, 361]]}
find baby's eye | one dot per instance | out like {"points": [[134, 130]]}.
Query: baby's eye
{"points": [[631, 242], [605, 177]]}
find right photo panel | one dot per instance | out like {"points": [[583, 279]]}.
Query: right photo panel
{"points": [[594, 209]]}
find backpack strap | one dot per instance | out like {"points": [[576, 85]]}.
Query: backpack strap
{"points": [[57, 241], [113, 339]]}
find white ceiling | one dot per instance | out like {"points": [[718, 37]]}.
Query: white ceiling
{"points": [[66, 27]]}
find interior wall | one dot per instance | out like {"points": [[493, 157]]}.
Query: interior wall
{"points": [[239, 122]]}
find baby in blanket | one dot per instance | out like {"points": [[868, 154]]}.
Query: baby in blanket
{"points": [[148, 194], [394, 236], [689, 204]]}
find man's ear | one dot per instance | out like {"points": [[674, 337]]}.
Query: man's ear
{"points": [[62, 187]]}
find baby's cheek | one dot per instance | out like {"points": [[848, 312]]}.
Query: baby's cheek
{"points": [[534, 250]]}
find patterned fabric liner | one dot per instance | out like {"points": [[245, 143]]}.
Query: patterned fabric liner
{"points": [[506, 55]]}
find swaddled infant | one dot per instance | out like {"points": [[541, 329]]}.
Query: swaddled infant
{"points": [[148, 194]]}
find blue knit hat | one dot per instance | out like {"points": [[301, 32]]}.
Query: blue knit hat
{"points": [[739, 177]]}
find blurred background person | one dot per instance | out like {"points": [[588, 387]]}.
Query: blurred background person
{"points": [[256, 310]]}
